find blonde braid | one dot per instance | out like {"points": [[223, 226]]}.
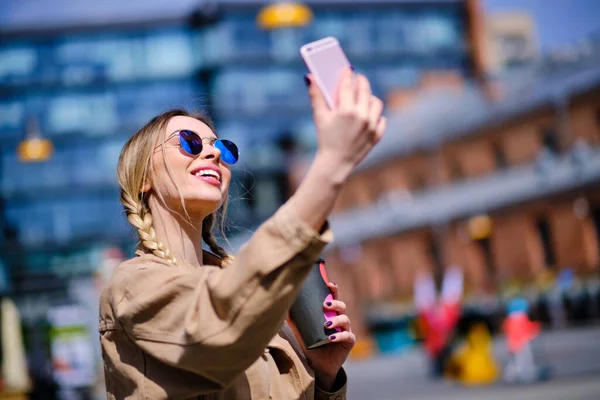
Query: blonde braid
{"points": [[140, 217]]}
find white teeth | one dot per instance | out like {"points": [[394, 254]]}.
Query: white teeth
{"points": [[208, 172]]}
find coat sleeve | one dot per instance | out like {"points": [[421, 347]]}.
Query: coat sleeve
{"points": [[216, 322], [339, 388]]}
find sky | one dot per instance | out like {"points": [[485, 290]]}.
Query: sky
{"points": [[559, 22]]}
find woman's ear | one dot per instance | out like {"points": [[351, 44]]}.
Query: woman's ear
{"points": [[147, 186]]}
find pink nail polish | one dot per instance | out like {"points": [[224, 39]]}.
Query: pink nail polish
{"points": [[329, 314]]}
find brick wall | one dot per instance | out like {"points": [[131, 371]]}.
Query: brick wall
{"points": [[573, 238], [521, 143], [517, 247]]}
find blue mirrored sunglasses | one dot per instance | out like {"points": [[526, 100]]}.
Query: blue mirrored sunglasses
{"points": [[191, 143]]}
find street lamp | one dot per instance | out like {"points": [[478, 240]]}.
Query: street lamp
{"points": [[34, 148], [283, 19], [480, 227], [284, 14]]}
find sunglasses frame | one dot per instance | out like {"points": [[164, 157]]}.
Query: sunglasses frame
{"points": [[213, 140]]}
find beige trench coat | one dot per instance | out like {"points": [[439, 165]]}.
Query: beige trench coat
{"points": [[213, 333]]}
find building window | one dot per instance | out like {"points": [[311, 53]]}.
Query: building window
{"points": [[550, 139], [499, 155], [515, 49], [598, 122], [435, 253], [417, 182], [456, 170], [485, 247], [543, 228], [596, 219]]}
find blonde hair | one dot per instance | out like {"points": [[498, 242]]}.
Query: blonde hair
{"points": [[135, 162]]}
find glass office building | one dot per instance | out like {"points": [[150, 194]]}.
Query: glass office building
{"points": [[89, 90]]}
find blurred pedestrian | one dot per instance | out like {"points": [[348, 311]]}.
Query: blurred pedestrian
{"points": [[524, 363], [178, 321], [439, 316]]}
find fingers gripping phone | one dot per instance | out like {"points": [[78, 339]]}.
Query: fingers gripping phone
{"points": [[326, 61]]}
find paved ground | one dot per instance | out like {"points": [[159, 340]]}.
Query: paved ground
{"points": [[573, 354]]}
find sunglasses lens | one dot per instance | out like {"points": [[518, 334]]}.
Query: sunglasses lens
{"points": [[229, 151], [190, 142]]}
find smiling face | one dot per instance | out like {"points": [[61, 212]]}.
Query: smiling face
{"points": [[203, 180]]}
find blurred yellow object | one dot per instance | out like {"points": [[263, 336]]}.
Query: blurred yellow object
{"points": [[364, 348], [475, 364], [480, 227], [545, 279], [284, 15], [35, 149]]}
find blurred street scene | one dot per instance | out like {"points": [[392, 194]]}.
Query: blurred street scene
{"points": [[573, 354], [467, 244]]}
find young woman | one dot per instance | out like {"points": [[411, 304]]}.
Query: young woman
{"points": [[177, 322]]}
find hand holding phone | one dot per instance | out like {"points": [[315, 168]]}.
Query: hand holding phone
{"points": [[347, 115], [326, 61]]}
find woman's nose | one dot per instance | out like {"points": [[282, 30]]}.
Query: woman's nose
{"points": [[209, 151]]}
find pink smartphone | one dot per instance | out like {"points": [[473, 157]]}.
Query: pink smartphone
{"points": [[326, 61]]}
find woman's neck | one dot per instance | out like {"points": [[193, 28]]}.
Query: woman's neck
{"points": [[181, 236]]}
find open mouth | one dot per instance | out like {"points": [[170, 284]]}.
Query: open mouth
{"points": [[208, 175]]}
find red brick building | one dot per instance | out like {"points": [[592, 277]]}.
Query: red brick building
{"points": [[500, 181]]}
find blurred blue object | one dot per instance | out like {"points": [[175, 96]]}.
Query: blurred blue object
{"points": [[565, 279], [393, 336], [518, 304]]}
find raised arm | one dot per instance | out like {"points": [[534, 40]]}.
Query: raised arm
{"points": [[345, 136]]}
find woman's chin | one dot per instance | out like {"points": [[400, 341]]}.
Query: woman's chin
{"points": [[204, 204]]}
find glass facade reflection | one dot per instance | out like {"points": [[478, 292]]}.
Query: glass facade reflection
{"points": [[91, 90]]}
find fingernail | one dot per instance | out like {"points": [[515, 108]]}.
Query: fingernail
{"points": [[328, 323], [332, 337], [328, 304], [306, 80]]}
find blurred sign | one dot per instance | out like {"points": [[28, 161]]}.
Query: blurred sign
{"points": [[71, 346], [64, 264]]}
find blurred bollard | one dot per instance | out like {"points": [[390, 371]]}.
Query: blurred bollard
{"points": [[15, 376], [593, 286]]}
